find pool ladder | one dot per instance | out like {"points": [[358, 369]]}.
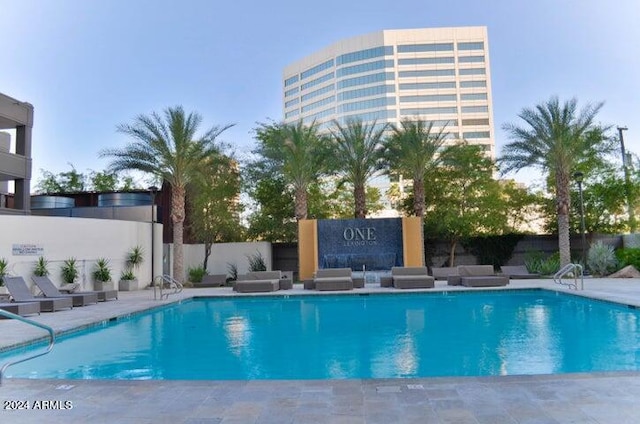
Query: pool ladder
{"points": [[163, 282], [572, 271], [52, 340]]}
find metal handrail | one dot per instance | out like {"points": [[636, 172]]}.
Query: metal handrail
{"points": [[170, 281], [52, 340], [575, 270]]}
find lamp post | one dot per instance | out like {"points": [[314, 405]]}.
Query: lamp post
{"points": [[627, 183], [153, 190], [579, 177]]}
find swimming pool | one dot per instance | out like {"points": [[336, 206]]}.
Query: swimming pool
{"points": [[352, 336]]}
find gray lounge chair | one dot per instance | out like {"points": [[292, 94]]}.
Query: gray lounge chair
{"points": [[518, 272], [21, 308], [333, 279], [477, 276], [47, 288], [411, 277], [20, 292], [258, 281]]}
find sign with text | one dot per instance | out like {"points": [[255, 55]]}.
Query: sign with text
{"points": [[375, 244], [27, 250]]}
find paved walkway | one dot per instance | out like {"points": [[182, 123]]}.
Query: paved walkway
{"points": [[575, 398]]}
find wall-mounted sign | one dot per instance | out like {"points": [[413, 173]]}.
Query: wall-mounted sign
{"points": [[27, 250]]}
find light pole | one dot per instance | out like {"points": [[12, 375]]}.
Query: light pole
{"points": [[579, 177], [153, 190], [627, 183]]}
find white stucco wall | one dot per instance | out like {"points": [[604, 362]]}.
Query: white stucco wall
{"points": [[223, 254], [85, 239]]}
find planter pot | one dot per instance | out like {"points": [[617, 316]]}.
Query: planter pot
{"points": [[102, 285], [128, 285]]}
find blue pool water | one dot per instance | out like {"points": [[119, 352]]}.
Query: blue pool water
{"points": [[352, 336]]}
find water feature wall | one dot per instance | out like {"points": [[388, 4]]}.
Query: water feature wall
{"points": [[371, 244]]}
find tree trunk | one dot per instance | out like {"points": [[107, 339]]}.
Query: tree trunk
{"points": [[301, 203], [207, 253], [418, 197], [452, 252], [563, 203], [177, 218], [360, 197]]}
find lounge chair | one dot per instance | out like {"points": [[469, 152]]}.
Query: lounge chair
{"points": [[21, 308], [212, 280], [518, 272], [411, 277], [258, 281], [477, 276], [333, 279], [20, 292], [50, 290], [442, 273]]}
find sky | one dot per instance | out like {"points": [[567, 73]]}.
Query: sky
{"points": [[87, 66]]}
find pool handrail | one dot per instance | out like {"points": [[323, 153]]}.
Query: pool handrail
{"points": [[575, 270], [52, 340], [160, 282]]}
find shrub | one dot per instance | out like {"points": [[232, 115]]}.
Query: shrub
{"points": [[127, 275], [533, 260], [41, 269], [196, 274], [629, 256], [102, 272], [232, 269], [551, 265], [256, 262], [4, 270], [69, 271], [601, 259]]}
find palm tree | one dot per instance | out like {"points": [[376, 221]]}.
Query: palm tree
{"points": [[413, 149], [558, 139], [167, 147], [298, 152], [358, 155]]}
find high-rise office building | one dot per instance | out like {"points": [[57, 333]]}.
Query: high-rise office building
{"points": [[436, 74]]}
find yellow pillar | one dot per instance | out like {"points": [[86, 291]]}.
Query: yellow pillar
{"points": [[412, 241], [307, 248]]}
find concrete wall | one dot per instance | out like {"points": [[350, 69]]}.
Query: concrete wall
{"points": [[223, 254], [58, 239]]}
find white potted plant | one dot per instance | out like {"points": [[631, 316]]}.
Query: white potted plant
{"points": [[128, 280]]}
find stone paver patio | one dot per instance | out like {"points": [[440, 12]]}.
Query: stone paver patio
{"points": [[574, 398]]}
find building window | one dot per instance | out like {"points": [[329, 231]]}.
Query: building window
{"points": [[473, 96], [325, 101], [367, 104], [291, 80], [319, 68], [429, 98], [482, 121], [291, 113], [426, 73], [473, 84], [475, 109], [476, 134], [318, 92], [364, 92], [364, 54], [427, 85], [316, 81], [292, 102], [416, 48], [370, 116], [471, 59], [365, 67], [425, 61], [366, 79], [291, 92], [472, 71], [471, 46], [428, 110], [319, 115]]}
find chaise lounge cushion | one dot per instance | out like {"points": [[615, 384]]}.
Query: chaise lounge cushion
{"points": [[518, 272], [411, 277]]}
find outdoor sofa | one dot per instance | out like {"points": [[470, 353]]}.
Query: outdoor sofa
{"points": [[20, 292], [518, 272], [327, 279], [258, 281], [411, 277], [477, 276], [212, 280]]}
